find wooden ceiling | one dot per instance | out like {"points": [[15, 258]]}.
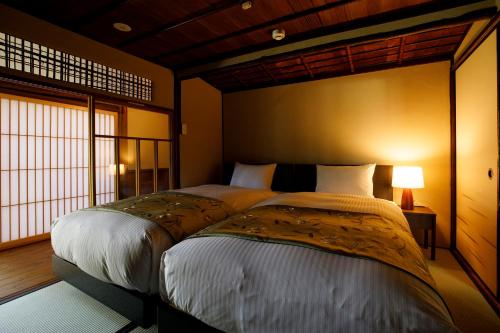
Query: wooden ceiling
{"points": [[184, 34], [404, 50]]}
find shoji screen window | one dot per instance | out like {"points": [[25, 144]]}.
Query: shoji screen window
{"points": [[105, 124], [44, 164]]}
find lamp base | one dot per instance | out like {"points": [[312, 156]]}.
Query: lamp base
{"points": [[407, 199]]}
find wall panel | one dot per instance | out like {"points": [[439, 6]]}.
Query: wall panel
{"points": [[201, 147], [398, 116], [477, 152]]}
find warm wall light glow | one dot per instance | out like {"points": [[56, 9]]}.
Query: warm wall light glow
{"points": [[112, 169], [407, 177]]}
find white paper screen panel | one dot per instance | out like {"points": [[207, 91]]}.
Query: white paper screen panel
{"points": [[104, 158], [44, 163]]}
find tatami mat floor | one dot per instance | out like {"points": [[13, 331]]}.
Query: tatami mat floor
{"points": [[58, 307], [469, 309]]}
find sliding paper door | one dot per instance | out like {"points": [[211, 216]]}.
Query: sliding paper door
{"points": [[43, 164], [477, 160], [105, 124]]}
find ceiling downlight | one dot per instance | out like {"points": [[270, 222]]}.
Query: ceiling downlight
{"points": [[122, 27]]}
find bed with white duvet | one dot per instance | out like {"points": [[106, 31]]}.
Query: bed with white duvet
{"points": [[124, 249], [252, 283]]}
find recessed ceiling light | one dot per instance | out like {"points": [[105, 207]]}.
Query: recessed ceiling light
{"points": [[122, 27], [246, 5], [278, 34]]}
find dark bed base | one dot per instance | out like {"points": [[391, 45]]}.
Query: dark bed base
{"points": [[173, 320], [138, 308]]}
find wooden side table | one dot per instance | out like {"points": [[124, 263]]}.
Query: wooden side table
{"points": [[423, 218]]}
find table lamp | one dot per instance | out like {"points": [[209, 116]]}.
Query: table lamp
{"points": [[407, 178]]}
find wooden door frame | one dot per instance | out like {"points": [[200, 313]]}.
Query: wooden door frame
{"points": [[491, 26]]}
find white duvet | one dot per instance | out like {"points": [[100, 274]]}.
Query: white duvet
{"points": [[124, 249], [240, 285]]}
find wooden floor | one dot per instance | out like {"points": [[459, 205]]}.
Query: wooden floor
{"points": [[25, 267]]}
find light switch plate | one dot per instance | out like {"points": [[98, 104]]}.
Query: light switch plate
{"points": [[184, 129]]}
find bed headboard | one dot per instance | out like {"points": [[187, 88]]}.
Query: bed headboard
{"points": [[302, 178]]}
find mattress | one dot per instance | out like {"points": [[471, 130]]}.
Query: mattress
{"points": [[124, 249], [242, 285]]}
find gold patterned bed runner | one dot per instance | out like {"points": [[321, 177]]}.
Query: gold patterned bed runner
{"points": [[357, 234], [180, 214]]}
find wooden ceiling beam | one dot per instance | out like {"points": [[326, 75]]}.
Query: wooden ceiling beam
{"points": [[264, 68], [237, 78], [349, 56], [386, 28], [306, 66], [436, 38], [292, 71], [98, 12], [264, 25], [212, 9], [401, 49]]}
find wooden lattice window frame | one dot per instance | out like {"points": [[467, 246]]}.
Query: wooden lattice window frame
{"points": [[36, 59]]}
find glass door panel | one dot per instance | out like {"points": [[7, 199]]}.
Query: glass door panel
{"points": [[147, 166], [164, 170], [137, 131], [127, 168]]}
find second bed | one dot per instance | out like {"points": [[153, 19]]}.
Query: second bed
{"points": [[303, 262]]}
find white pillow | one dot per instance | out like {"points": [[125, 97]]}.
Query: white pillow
{"points": [[357, 180], [253, 176]]}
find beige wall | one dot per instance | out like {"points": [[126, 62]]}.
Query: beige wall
{"points": [[147, 124], [398, 116], [201, 148], [471, 35], [27, 27]]}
